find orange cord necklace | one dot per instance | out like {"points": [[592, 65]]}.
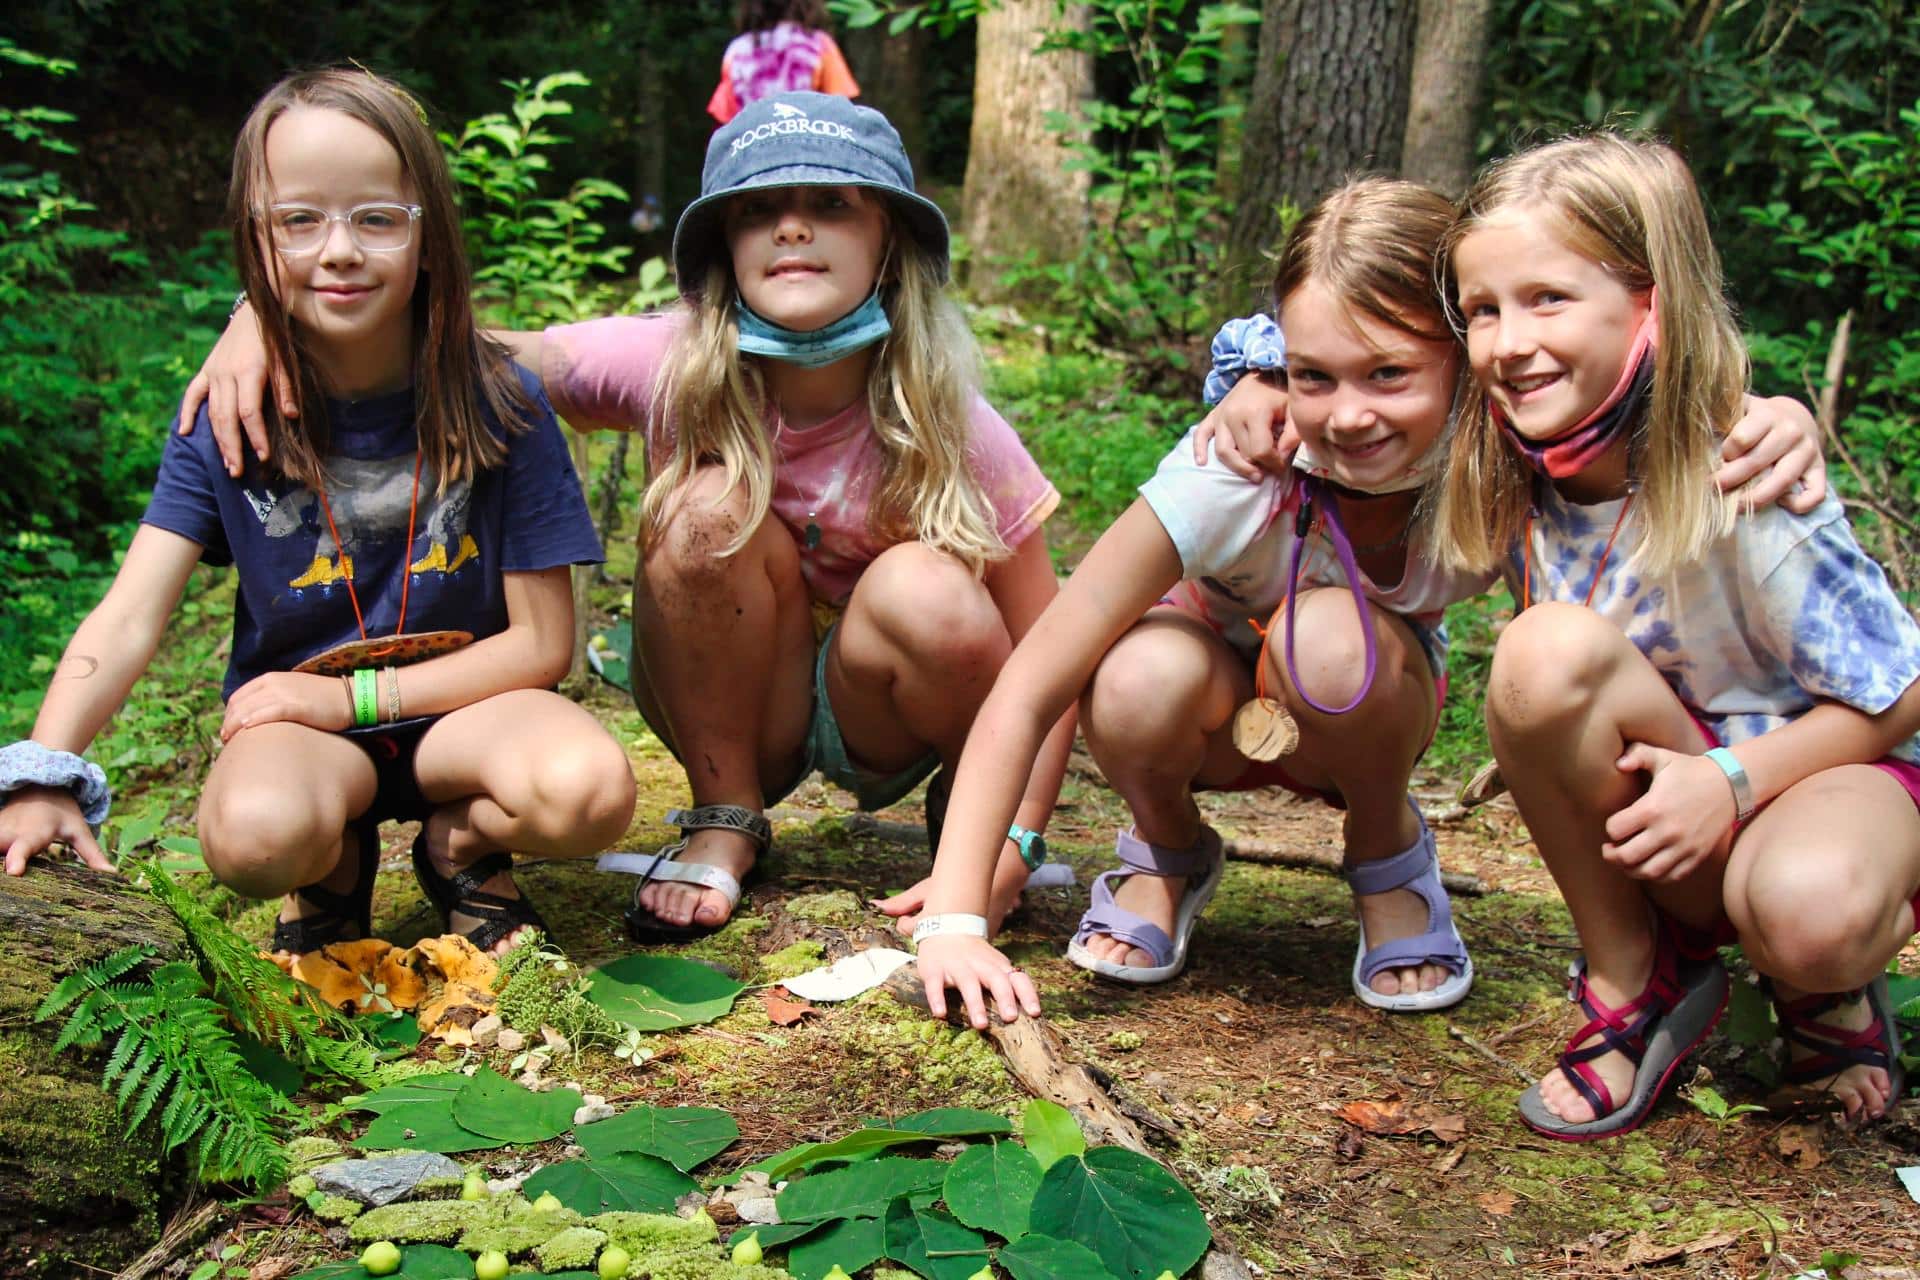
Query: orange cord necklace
{"points": [[1526, 577], [406, 578]]}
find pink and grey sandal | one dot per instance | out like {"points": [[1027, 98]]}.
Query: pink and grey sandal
{"points": [[1200, 862], [1833, 1049], [1655, 1031]]}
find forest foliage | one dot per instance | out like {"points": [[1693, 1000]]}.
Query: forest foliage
{"points": [[1799, 118]]}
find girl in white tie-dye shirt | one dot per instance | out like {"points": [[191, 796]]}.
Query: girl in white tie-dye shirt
{"points": [[1708, 723]]}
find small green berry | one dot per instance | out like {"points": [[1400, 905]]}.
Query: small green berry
{"points": [[491, 1265], [746, 1250], [984, 1273], [475, 1186], [614, 1262], [382, 1258], [548, 1203], [837, 1273]]}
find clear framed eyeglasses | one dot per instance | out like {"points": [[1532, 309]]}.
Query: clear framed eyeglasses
{"points": [[376, 228]]}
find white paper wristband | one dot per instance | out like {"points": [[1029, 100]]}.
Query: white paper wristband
{"points": [[951, 922]]}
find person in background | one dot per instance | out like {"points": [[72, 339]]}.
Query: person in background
{"points": [[783, 45]]}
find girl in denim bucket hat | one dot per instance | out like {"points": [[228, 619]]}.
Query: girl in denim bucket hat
{"points": [[816, 374]]}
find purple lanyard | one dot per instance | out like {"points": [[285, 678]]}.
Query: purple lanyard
{"points": [[1337, 534]]}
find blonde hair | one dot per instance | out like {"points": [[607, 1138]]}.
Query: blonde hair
{"points": [[460, 376], [920, 393], [1632, 207]]}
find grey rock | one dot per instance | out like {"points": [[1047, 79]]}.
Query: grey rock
{"points": [[760, 1210], [384, 1179]]}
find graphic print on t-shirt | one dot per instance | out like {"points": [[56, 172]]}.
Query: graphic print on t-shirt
{"points": [[372, 500]]}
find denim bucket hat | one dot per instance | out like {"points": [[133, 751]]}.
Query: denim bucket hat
{"points": [[800, 140]]}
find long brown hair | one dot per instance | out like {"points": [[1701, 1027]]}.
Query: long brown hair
{"points": [[1632, 207], [460, 376], [1372, 242]]}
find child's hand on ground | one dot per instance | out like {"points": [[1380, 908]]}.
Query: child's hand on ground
{"points": [[905, 907], [35, 818], [230, 383], [1779, 442], [1687, 812], [1249, 430], [323, 702], [976, 970]]}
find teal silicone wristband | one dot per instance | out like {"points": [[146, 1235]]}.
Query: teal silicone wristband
{"points": [[366, 698], [1736, 772], [1032, 845]]}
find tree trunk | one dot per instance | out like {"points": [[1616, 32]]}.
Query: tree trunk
{"points": [[1329, 101], [1020, 195], [890, 71], [76, 1192], [1449, 61]]}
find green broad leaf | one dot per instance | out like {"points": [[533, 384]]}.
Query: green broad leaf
{"points": [[861, 1142], [1045, 1258], [682, 1136], [953, 1122], [423, 1128], [270, 1067], [495, 1107], [408, 1093], [1749, 1016], [394, 1033], [1124, 1207], [627, 1181], [850, 1244], [932, 1243], [658, 993], [779, 1234], [858, 1191], [992, 1187], [1051, 1132]]}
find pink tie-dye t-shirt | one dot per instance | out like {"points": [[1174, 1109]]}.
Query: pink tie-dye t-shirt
{"points": [[602, 371]]}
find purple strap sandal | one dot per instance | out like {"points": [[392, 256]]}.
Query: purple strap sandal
{"points": [[1201, 863], [1416, 867]]}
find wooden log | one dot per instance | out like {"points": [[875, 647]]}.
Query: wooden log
{"points": [[77, 1193]]}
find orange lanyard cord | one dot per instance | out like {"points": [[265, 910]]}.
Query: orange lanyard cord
{"points": [[406, 578], [1526, 574]]}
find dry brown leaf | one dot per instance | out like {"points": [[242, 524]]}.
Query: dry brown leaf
{"points": [[1643, 1252], [454, 959], [1449, 1158], [784, 1009], [1392, 1118], [1350, 1144], [274, 1268], [450, 1015], [1497, 1203], [1801, 1144]]}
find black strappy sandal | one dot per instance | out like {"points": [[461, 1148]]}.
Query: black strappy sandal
{"points": [[335, 914], [461, 892]]}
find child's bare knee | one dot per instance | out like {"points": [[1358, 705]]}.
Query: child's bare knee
{"points": [[583, 794], [260, 846], [1140, 692], [704, 518], [1829, 946], [933, 609], [1551, 663]]}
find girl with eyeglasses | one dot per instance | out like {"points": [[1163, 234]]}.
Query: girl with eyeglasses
{"points": [[403, 604]]}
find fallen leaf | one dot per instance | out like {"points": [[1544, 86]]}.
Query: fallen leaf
{"points": [[1801, 1145], [1350, 1144], [1643, 1252], [845, 979], [1449, 1158], [274, 1268], [783, 1010], [1497, 1203], [1392, 1118]]}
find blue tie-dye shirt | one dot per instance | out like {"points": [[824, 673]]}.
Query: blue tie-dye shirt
{"points": [[1783, 612]]}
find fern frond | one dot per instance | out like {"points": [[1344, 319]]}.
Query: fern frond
{"points": [[155, 1086], [146, 1060], [99, 974]]}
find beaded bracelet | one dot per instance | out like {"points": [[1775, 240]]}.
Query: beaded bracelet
{"points": [[366, 697]]}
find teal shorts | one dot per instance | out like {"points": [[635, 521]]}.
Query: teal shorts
{"points": [[826, 752]]}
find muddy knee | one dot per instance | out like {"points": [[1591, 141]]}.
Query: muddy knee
{"points": [[1549, 666]]}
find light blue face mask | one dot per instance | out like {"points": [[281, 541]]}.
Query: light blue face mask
{"points": [[855, 331]]}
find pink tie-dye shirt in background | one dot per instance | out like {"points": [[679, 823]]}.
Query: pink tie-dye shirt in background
{"points": [[825, 475], [781, 59]]}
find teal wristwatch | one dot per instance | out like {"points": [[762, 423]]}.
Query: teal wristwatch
{"points": [[1032, 845]]}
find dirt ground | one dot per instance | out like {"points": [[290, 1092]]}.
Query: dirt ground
{"points": [[1239, 1069]]}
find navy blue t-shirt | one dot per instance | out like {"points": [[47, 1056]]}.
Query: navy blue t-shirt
{"points": [[525, 515]]}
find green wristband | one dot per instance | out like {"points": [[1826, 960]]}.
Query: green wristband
{"points": [[366, 698]]}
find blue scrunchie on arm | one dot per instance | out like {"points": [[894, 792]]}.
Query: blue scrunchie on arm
{"points": [[28, 764], [1241, 345]]}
